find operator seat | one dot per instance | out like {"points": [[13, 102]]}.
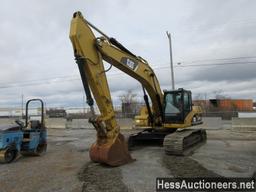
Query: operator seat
{"points": [[35, 124]]}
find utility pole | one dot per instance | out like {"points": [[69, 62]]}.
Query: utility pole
{"points": [[171, 61], [22, 98]]}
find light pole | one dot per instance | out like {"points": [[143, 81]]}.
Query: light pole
{"points": [[171, 62]]}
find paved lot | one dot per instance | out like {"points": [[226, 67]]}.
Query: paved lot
{"points": [[67, 167]]}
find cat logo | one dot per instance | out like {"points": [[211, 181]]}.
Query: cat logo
{"points": [[129, 63]]}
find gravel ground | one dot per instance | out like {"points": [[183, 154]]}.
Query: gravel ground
{"points": [[55, 171], [66, 165], [96, 178]]}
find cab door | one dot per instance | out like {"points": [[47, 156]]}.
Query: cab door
{"points": [[173, 107], [187, 103], [177, 105]]}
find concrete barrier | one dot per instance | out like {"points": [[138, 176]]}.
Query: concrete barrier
{"points": [[125, 123], [58, 123], [244, 124], [246, 114], [50, 122], [79, 124], [6, 121], [210, 123]]}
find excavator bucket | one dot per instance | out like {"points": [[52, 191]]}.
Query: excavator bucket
{"points": [[114, 154]]}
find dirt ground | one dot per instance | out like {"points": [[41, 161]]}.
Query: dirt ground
{"points": [[66, 165]]}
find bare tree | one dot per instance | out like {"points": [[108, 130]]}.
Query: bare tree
{"points": [[128, 97], [129, 103], [200, 100], [198, 96], [219, 94]]}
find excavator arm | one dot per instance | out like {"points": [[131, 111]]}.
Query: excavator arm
{"points": [[93, 76], [110, 147]]}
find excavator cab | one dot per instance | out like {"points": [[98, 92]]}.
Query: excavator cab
{"points": [[177, 105]]}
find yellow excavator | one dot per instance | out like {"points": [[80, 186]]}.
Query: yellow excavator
{"points": [[160, 118]]}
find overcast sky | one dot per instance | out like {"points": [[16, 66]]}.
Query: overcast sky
{"points": [[36, 55]]}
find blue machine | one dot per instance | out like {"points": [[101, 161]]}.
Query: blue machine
{"points": [[28, 139]]}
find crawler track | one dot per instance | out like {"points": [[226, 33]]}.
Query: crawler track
{"points": [[181, 142]]}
